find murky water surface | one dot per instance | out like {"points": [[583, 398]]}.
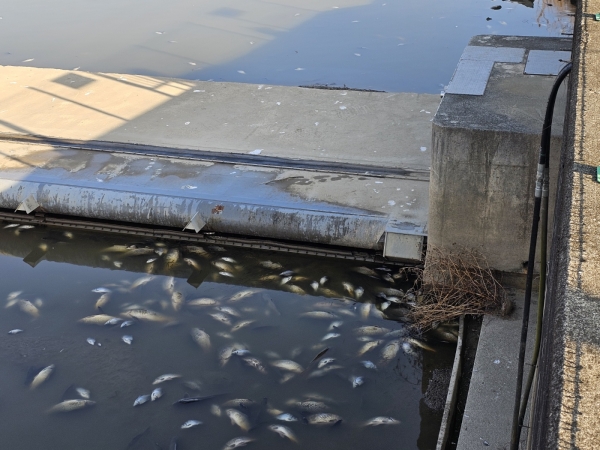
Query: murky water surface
{"points": [[391, 45], [57, 273]]}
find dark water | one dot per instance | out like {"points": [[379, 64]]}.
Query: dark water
{"points": [[391, 45], [58, 271]]}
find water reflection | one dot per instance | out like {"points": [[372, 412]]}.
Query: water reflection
{"points": [[394, 45], [141, 276]]}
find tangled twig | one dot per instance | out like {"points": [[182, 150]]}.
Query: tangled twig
{"points": [[453, 284]]}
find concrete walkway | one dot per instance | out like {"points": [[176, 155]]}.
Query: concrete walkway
{"points": [[329, 167]]}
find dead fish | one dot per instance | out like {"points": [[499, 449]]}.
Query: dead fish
{"points": [[271, 277], [197, 250], [392, 292], [287, 273], [71, 405], [387, 277], [192, 263], [186, 400], [358, 292], [28, 308], [367, 347], [228, 310], [190, 424], [26, 227], [15, 331], [237, 442], [390, 350], [314, 285], [225, 355], [408, 349], [138, 251], [172, 257], [228, 259], [366, 271], [240, 352], [141, 400], [318, 315], [127, 339], [370, 330], [348, 288], [255, 363], [240, 403], [156, 394], [241, 295], [177, 300], [238, 418], [102, 290], [169, 284], [126, 323], [165, 377], [420, 344], [222, 265], [369, 365], [151, 260], [91, 341], [202, 302], [311, 406], [201, 338], [285, 280], [97, 319], [286, 417], [42, 376], [102, 301], [11, 225], [220, 317], [324, 419], [335, 325], [330, 336], [83, 393], [323, 280], [194, 385], [284, 432], [242, 324], [114, 321], [147, 315], [286, 364], [227, 274], [356, 381], [140, 282], [215, 410], [324, 362], [324, 371], [295, 289], [271, 265], [376, 421], [365, 310]]}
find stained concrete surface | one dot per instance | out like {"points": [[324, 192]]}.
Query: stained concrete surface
{"points": [[566, 415], [484, 157], [299, 186]]}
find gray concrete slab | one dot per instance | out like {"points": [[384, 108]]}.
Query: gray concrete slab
{"points": [[487, 419], [328, 167], [484, 157]]}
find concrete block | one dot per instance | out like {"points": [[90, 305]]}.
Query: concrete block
{"points": [[484, 157]]}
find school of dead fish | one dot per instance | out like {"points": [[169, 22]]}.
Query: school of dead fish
{"points": [[339, 309]]}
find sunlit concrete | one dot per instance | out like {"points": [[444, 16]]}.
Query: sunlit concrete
{"points": [[329, 167]]}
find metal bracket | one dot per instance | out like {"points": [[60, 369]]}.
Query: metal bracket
{"points": [[28, 205], [195, 224]]}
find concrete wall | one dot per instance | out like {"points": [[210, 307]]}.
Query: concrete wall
{"points": [[485, 153]]}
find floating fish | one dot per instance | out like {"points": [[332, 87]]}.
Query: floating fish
{"points": [[311, 406], [366, 271], [192, 263], [286, 417], [228, 259], [318, 315], [220, 317], [139, 251], [83, 393], [295, 289], [215, 410], [237, 442], [113, 321], [323, 280], [226, 274], [127, 339], [271, 265], [141, 400], [420, 344], [126, 323], [324, 419], [97, 319], [330, 336], [190, 424], [15, 331], [349, 288], [356, 381], [242, 324], [42, 376], [324, 362], [290, 366], [228, 310], [324, 371], [367, 347], [141, 281], [222, 265], [102, 290], [166, 377], [151, 260], [202, 302], [11, 225], [172, 257], [225, 355], [284, 432], [177, 300], [147, 315], [91, 341], [28, 308], [71, 405], [370, 330], [314, 285], [186, 400], [335, 325], [238, 418], [390, 350], [201, 338], [376, 421], [156, 394], [169, 284], [369, 365], [285, 280], [255, 363], [358, 292], [240, 352], [241, 295], [240, 403]]}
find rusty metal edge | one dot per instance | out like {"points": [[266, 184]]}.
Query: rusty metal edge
{"points": [[452, 390]]}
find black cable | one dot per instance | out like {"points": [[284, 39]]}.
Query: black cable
{"points": [[542, 172]]}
